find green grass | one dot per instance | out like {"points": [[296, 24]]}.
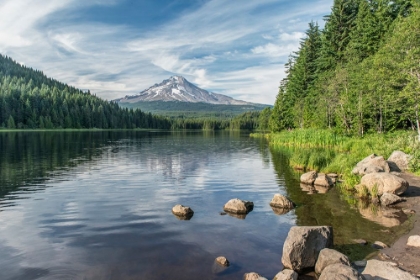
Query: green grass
{"points": [[326, 151]]}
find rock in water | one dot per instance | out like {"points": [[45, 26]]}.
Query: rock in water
{"points": [[379, 245], [385, 270], [308, 178], [371, 164], [286, 274], [182, 211], [280, 201], [385, 183], [222, 261], [389, 199], [238, 206], [414, 241], [340, 272], [303, 244], [329, 256], [323, 181], [253, 276]]}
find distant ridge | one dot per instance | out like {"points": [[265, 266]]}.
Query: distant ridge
{"points": [[177, 88]]}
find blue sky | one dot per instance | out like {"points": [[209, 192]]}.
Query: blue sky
{"points": [[120, 47]]}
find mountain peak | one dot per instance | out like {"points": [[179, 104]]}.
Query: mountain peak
{"points": [[177, 88]]}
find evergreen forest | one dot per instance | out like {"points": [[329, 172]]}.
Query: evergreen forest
{"points": [[29, 99], [359, 74]]}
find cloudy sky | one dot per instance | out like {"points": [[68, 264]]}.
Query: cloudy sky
{"points": [[120, 47]]}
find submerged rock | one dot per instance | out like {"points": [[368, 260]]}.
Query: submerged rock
{"points": [[385, 183], [376, 269], [303, 244], [183, 211], [371, 164], [340, 271], [280, 201], [329, 256], [253, 276], [238, 206], [379, 245], [286, 274]]}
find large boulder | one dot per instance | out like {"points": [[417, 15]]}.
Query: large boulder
{"points": [[340, 271], [237, 206], [371, 164], [280, 201], [376, 269], [286, 274], [329, 256], [303, 244], [399, 161], [308, 178], [323, 180], [389, 199], [385, 183]]}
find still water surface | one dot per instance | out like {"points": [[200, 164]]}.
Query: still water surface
{"points": [[97, 205]]}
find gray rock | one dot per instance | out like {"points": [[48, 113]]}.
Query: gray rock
{"points": [[379, 245], [399, 161], [329, 256], [253, 276], [308, 178], [286, 274], [414, 241], [183, 211], [222, 261], [389, 199], [323, 181], [238, 206], [385, 183], [280, 201], [371, 164], [303, 244], [376, 269], [340, 272]]}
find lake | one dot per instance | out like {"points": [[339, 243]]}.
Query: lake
{"points": [[97, 205]]}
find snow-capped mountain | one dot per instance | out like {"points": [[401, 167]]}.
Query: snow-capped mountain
{"points": [[177, 88]]}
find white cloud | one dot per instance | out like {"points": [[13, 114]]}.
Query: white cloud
{"points": [[215, 46]]}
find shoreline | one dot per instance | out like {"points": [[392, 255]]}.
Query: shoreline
{"points": [[405, 256]]}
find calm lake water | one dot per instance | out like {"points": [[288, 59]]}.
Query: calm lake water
{"points": [[97, 205]]}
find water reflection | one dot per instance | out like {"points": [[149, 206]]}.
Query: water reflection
{"points": [[97, 205]]}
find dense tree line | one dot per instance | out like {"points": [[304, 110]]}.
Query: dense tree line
{"points": [[360, 74], [29, 99]]}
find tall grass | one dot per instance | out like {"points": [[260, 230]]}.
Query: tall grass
{"points": [[327, 151]]}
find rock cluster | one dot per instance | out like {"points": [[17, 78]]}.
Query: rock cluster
{"points": [[318, 179]]}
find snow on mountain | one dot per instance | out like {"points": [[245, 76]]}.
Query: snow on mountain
{"points": [[177, 88]]}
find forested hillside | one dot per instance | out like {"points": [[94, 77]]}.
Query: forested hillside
{"points": [[360, 74], [29, 99]]}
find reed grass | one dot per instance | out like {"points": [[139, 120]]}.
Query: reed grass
{"points": [[329, 152]]}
